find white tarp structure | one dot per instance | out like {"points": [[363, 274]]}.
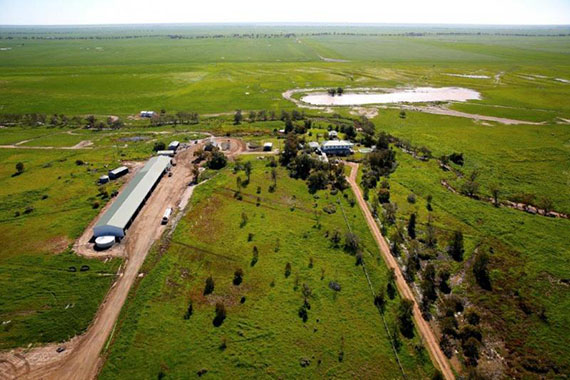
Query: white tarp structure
{"points": [[119, 216]]}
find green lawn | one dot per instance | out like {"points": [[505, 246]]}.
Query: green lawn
{"points": [[264, 335]]}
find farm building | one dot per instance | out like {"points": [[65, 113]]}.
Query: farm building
{"points": [[168, 153], [336, 147], [173, 145], [313, 145], [268, 147], [118, 172], [333, 135], [103, 179], [148, 114], [124, 209]]}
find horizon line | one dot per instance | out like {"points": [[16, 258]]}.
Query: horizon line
{"points": [[282, 23]]}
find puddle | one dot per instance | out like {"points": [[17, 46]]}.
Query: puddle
{"points": [[417, 95], [470, 76]]}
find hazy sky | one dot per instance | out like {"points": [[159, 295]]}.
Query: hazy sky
{"points": [[54, 12]]}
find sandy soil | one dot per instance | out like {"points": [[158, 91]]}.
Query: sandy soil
{"points": [[428, 337], [362, 111], [447, 112], [86, 144]]}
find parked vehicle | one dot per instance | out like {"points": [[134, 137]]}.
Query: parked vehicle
{"points": [[166, 215]]}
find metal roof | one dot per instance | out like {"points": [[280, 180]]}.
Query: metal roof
{"points": [[337, 144], [130, 199], [118, 170]]}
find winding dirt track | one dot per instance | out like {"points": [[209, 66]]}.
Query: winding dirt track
{"points": [[428, 337]]}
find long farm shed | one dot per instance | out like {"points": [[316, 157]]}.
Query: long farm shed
{"points": [[124, 209]]}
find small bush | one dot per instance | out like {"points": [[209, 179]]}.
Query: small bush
{"points": [[238, 277], [209, 288], [412, 198], [220, 314], [189, 311], [287, 270]]}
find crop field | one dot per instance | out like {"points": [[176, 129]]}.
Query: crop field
{"points": [[262, 331], [70, 73]]}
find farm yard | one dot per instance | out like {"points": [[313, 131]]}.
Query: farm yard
{"points": [[70, 102]]}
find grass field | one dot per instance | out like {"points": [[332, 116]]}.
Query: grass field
{"points": [[264, 335], [93, 72]]}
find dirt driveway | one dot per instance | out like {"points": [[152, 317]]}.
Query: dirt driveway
{"points": [[81, 359], [428, 337]]}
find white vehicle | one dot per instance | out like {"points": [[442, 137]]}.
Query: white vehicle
{"points": [[166, 215]]}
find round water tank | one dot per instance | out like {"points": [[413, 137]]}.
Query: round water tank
{"points": [[103, 242]]}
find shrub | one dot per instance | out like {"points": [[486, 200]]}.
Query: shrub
{"points": [[412, 226], [456, 158], [456, 247], [220, 314], [217, 160], [159, 145], [472, 317], [238, 277], [351, 242], [380, 301], [412, 198], [287, 270], [405, 312], [209, 288], [255, 257], [481, 271], [189, 311]]}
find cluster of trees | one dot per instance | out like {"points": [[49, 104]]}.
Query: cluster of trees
{"points": [[318, 174], [335, 91], [215, 158], [182, 117], [379, 163], [264, 115], [60, 120]]}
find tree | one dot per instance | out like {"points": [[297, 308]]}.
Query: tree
{"points": [[390, 210], [383, 195], [332, 91], [255, 257], [247, 167], [470, 187], [217, 160], [335, 238], [431, 239], [456, 158], [428, 283], [220, 314], [471, 351], [380, 300], [412, 226], [289, 150], [301, 166], [456, 247], [318, 180], [405, 312], [481, 271], [339, 91], [238, 277], [252, 115], [189, 311], [428, 206], [238, 117], [238, 183], [209, 288], [443, 276], [91, 120], [287, 270], [19, 168], [159, 145], [402, 114], [351, 242]]}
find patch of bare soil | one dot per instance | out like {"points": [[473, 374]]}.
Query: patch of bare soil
{"points": [[363, 111], [447, 112]]}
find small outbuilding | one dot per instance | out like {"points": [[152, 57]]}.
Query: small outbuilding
{"points": [[103, 179], [174, 145], [313, 145], [333, 134], [169, 153], [268, 147], [118, 172]]}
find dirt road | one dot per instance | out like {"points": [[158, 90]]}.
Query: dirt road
{"points": [[428, 337], [84, 359]]}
